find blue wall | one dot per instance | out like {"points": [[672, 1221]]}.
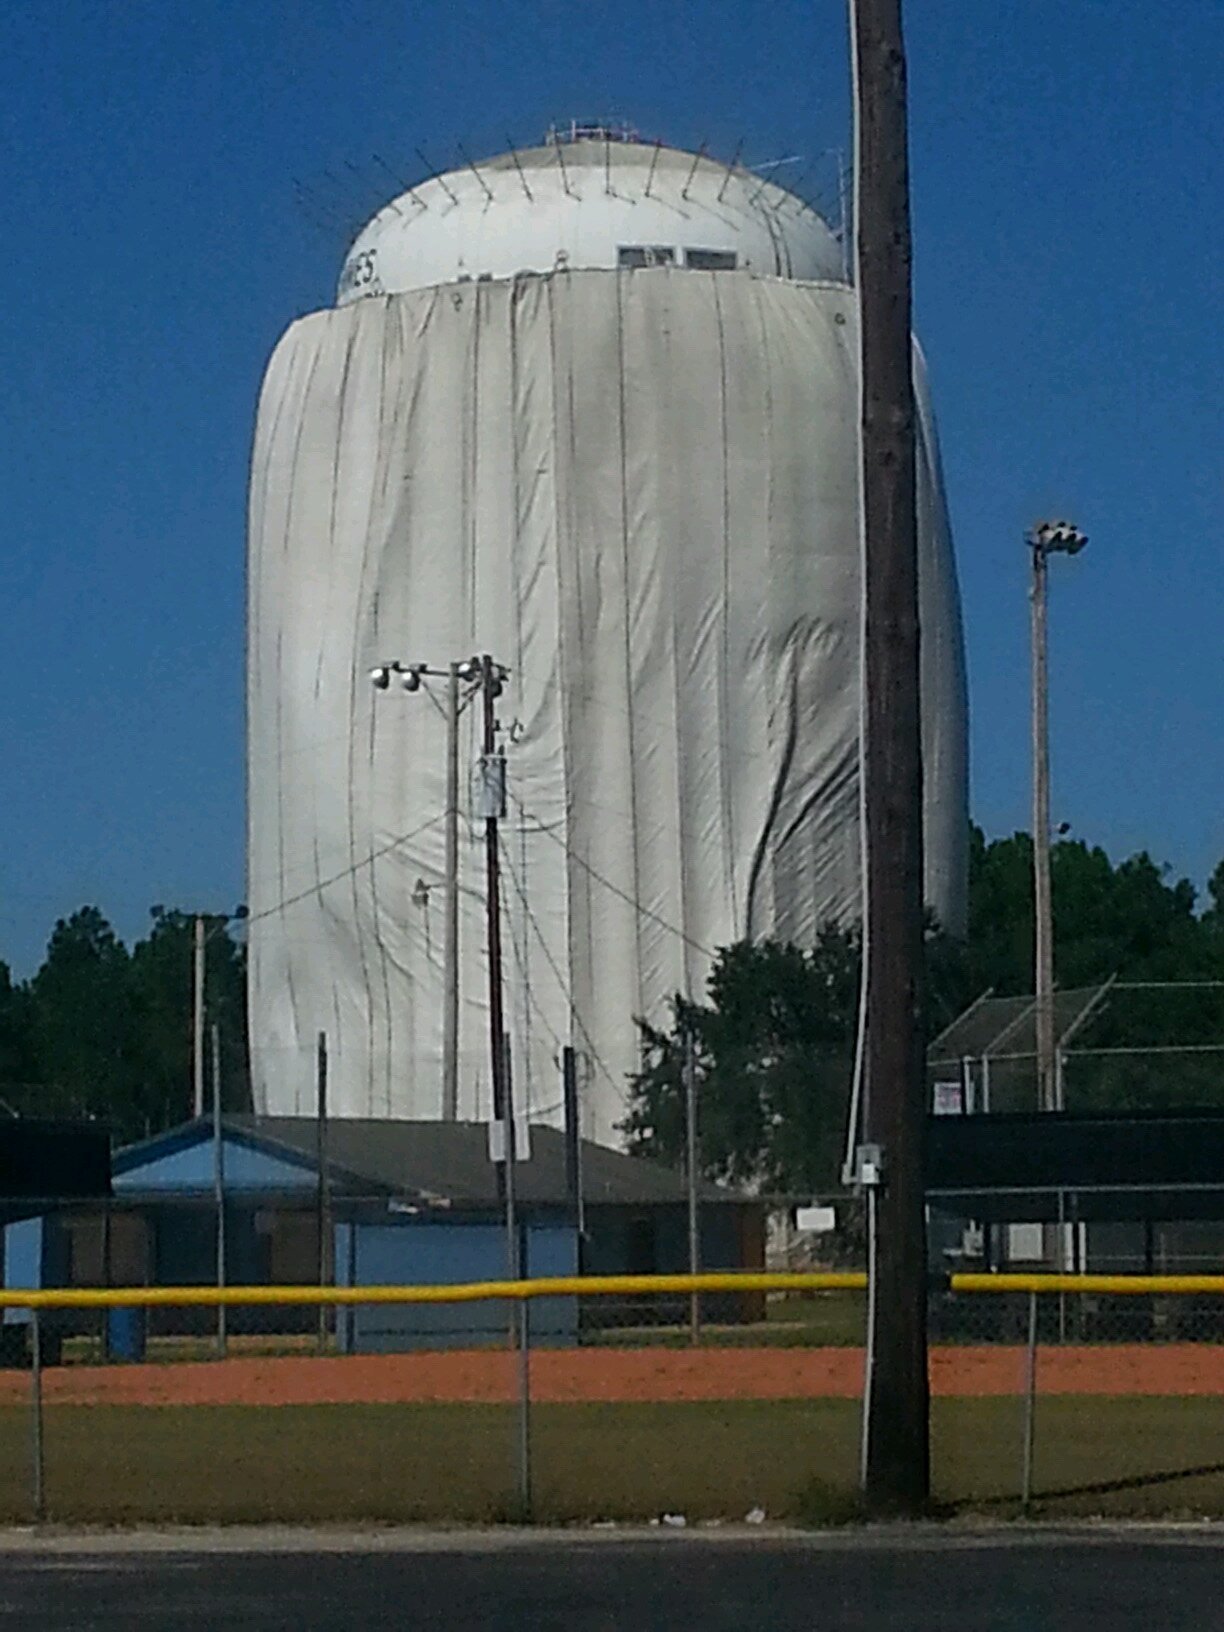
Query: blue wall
{"points": [[23, 1261], [442, 1254]]}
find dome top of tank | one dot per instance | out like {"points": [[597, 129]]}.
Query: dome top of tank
{"points": [[589, 198]]}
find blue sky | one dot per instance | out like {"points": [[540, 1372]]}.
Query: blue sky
{"points": [[1067, 187]]}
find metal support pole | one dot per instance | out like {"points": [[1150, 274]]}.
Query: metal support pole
{"points": [[323, 1195], [1030, 1405], [1043, 936], [520, 1324], [219, 1185], [450, 948], [691, 1181], [573, 1144], [1061, 1262], [869, 1338], [104, 1314], [524, 1411], [197, 1019], [36, 1407]]}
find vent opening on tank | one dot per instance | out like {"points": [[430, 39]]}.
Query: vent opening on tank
{"points": [[710, 260], [637, 255]]}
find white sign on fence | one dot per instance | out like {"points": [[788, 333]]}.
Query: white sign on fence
{"points": [[949, 1099]]}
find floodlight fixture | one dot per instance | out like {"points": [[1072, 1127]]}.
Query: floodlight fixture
{"points": [[1056, 538]]}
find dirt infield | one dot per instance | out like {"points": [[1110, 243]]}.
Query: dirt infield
{"points": [[562, 1376]]}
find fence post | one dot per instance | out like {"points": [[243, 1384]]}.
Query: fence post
{"points": [[1030, 1405], [692, 1180], [40, 1504], [524, 1413]]}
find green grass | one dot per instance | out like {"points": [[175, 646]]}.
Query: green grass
{"points": [[120, 1464]]}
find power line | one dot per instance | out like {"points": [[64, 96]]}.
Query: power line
{"points": [[561, 981], [520, 959], [638, 907], [346, 872]]}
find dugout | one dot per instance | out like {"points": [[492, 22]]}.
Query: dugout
{"points": [[43, 1161], [1105, 1192]]}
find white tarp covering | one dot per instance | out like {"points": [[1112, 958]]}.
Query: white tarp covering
{"points": [[638, 490]]}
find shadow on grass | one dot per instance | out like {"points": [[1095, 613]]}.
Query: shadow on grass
{"points": [[1098, 1487], [1138, 1481]]}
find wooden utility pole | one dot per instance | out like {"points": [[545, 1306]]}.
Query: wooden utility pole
{"points": [[323, 1191], [492, 808], [896, 1462], [492, 794], [450, 951]]}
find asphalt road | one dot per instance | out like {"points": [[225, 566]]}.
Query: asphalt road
{"points": [[914, 1582]]}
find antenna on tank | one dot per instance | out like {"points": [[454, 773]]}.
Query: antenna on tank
{"points": [[564, 173], [436, 175], [658, 148], [772, 164], [794, 195], [361, 176], [315, 213], [843, 199], [329, 215], [364, 183], [519, 168], [697, 158], [735, 158], [400, 182], [488, 191], [353, 216]]}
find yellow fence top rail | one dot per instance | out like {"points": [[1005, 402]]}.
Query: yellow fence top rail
{"points": [[1126, 1285], [587, 1286], [558, 1286]]}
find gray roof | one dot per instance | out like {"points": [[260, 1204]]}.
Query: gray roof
{"points": [[448, 1163]]}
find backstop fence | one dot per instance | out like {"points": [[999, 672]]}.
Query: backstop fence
{"points": [[675, 1398]]}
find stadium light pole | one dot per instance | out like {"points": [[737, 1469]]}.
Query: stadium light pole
{"points": [[1045, 539], [412, 677]]}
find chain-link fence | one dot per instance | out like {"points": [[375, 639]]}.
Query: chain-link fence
{"points": [[1080, 1395], [588, 1399]]}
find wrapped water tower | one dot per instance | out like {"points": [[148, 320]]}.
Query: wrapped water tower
{"points": [[590, 408]]}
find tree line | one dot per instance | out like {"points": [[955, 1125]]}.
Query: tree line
{"points": [[104, 1031], [773, 1037]]}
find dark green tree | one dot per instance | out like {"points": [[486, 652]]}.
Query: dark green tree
{"points": [[19, 1086], [774, 1040], [83, 1024], [773, 1051]]}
